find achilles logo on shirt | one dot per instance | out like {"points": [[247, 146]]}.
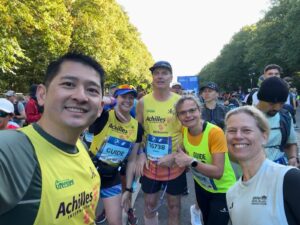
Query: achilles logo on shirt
{"points": [[119, 129], [259, 200], [155, 119], [75, 206]]}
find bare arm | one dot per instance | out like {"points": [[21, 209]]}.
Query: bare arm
{"points": [[140, 111], [130, 171], [214, 170], [291, 151], [141, 159]]}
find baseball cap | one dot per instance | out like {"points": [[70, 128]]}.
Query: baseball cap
{"points": [[10, 93], [176, 84], [274, 90], [124, 89], [6, 106], [161, 64], [210, 85]]}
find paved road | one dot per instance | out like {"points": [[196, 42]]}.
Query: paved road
{"points": [[188, 200]]}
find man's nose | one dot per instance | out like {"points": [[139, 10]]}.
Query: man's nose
{"points": [[80, 93]]}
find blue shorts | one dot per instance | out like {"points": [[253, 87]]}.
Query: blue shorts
{"points": [[111, 191]]}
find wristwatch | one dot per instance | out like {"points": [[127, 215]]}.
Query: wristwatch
{"points": [[129, 189], [194, 163]]}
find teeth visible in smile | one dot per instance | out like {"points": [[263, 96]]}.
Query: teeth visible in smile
{"points": [[76, 109], [240, 145]]}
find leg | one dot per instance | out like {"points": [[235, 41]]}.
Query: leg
{"points": [[175, 188], [218, 213], [113, 210], [151, 190], [151, 201], [174, 206], [203, 199]]}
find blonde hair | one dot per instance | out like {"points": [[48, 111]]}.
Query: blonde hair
{"points": [[260, 119]]}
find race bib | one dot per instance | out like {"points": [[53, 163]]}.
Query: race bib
{"points": [[158, 147], [114, 151]]}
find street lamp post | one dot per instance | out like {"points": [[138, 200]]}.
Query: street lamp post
{"points": [[251, 75]]}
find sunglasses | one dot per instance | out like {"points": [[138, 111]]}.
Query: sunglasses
{"points": [[126, 86], [3, 114]]}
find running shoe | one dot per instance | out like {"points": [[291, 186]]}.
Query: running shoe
{"points": [[195, 216], [132, 219], [101, 218]]}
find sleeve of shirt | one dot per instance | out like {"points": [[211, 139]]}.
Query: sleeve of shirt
{"points": [[291, 195], [17, 165], [217, 141], [21, 107], [140, 133], [99, 123]]}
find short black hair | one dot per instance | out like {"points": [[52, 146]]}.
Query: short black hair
{"points": [[273, 66], [54, 67]]}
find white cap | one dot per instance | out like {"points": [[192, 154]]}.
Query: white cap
{"points": [[6, 106], [10, 93], [176, 83]]}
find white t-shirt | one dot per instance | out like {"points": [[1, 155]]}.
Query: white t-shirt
{"points": [[259, 201]]}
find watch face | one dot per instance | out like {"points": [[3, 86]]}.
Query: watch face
{"points": [[194, 163]]}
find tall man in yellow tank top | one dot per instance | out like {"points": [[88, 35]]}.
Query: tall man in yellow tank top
{"points": [[162, 131], [46, 174]]}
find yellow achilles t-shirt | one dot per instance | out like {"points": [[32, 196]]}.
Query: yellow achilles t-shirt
{"points": [[70, 183], [161, 126]]}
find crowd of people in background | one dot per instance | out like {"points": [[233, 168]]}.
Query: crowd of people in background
{"points": [[241, 149]]}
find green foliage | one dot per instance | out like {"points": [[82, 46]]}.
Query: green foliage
{"points": [[274, 39], [34, 32]]}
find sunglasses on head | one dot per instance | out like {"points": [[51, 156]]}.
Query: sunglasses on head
{"points": [[3, 114], [126, 86]]}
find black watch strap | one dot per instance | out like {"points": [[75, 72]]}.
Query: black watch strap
{"points": [[129, 190]]}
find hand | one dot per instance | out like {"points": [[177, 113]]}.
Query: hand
{"points": [[140, 163], [126, 200], [182, 159], [166, 161]]}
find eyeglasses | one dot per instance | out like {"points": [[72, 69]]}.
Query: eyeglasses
{"points": [[185, 112], [126, 86], [3, 114]]}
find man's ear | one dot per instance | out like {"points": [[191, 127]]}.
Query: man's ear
{"points": [[41, 93], [100, 108]]}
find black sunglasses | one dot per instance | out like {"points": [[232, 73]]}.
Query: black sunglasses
{"points": [[3, 114]]}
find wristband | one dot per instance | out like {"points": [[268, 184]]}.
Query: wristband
{"points": [[129, 190], [292, 157]]}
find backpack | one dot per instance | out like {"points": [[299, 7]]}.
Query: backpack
{"points": [[16, 108], [250, 98], [285, 127]]}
